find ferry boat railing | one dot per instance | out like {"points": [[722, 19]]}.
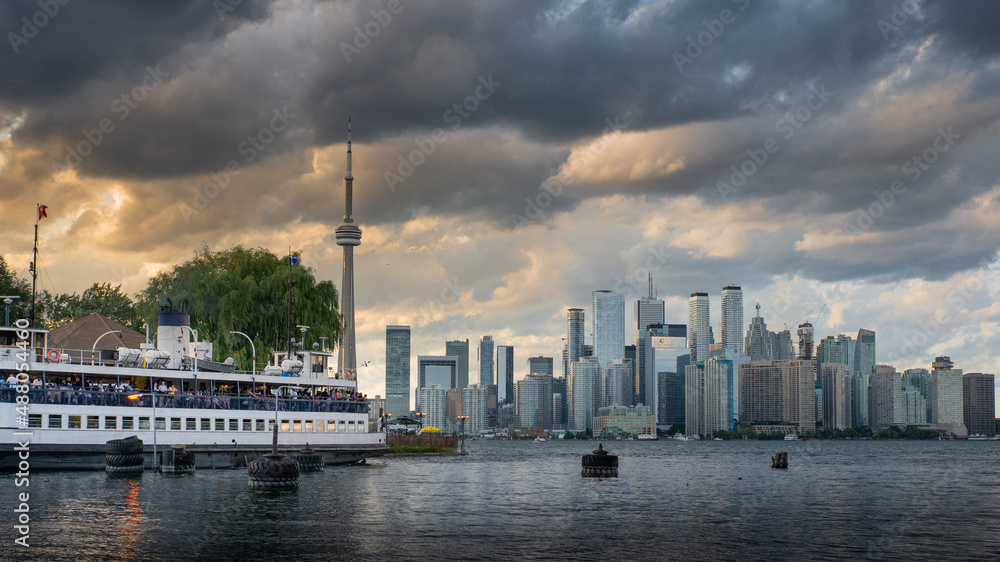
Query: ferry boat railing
{"points": [[67, 356], [87, 397]]}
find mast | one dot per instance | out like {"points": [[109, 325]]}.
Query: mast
{"points": [[34, 276], [288, 323]]}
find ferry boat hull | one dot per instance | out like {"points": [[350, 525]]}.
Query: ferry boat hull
{"points": [[67, 427]]}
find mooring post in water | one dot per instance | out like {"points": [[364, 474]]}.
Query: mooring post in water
{"points": [[599, 463], [779, 460], [273, 470]]}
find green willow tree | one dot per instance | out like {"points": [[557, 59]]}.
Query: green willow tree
{"points": [[245, 290]]}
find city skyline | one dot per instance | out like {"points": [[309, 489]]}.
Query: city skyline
{"points": [[500, 188]]}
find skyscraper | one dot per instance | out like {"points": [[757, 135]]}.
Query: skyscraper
{"points": [[656, 352], [920, 380], [486, 361], [560, 415], [864, 364], [540, 365], [885, 399], [758, 339], [474, 405], [609, 326], [837, 389], [978, 406], [670, 406], [533, 404], [781, 346], [805, 341], [436, 369], [649, 310], [348, 235], [397, 370], [705, 399], [769, 387], [434, 403], [505, 374], [575, 330], [946, 397], [460, 349], [698, 326], [836, 349], [731, 321], [761, 392], [584, 389], [616, 384]]}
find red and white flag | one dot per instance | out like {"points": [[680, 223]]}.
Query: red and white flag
{"points": [[41, 212]]}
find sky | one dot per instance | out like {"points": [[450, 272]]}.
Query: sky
{"points": [[835, 159]]}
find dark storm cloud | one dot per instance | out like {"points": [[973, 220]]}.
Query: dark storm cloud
{"points": [[558, 72], [99, 39]]}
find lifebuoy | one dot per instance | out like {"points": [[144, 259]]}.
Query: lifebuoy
{"points": [[54, 356]]}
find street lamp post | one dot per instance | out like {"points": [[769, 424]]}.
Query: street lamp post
{"points": [[153, 400], [194, 334], [252, 347], [277, 392], [8, 300], [93, 348], [462, 431], [420, 418]]}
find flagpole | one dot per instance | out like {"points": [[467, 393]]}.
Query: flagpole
{"points": [[288, 324], [34, 269]]}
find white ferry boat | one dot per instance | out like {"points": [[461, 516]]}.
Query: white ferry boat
{"points": [[791, 437], [78, 400], [647, 437]]}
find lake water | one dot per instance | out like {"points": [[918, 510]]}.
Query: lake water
{"points": [[506, 500]]}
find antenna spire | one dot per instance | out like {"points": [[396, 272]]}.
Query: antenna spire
{"points": [[349, 175]]}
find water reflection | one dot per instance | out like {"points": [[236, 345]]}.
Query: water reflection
{"points": [[515, 500], [131, 524]]}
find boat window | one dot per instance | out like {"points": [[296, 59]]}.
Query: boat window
{"points": [[309, 425], [234, 425], [110, 422], [175, 424], [55, 422], [260, 425], [190, 424], [35, 420], [284, 425], [350, 426], [362, 427], [220, 425], [247, 425], [143, 422], [74, 422], [342, 426], [270, 425], [93, 422], [128, 422], [206, 424], [161, 423], [298, 425]]}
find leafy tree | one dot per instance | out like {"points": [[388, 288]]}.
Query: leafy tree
{"points": [[569, 435], [245, 290], [12, 285], [103, 298]]}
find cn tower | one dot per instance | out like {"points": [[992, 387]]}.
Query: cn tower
{"points": [[348, 236]]}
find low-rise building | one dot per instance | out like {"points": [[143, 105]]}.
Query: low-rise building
{"points": [[624, 421]]}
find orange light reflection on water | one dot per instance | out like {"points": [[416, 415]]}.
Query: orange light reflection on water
{"points": [[130, 526]]}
